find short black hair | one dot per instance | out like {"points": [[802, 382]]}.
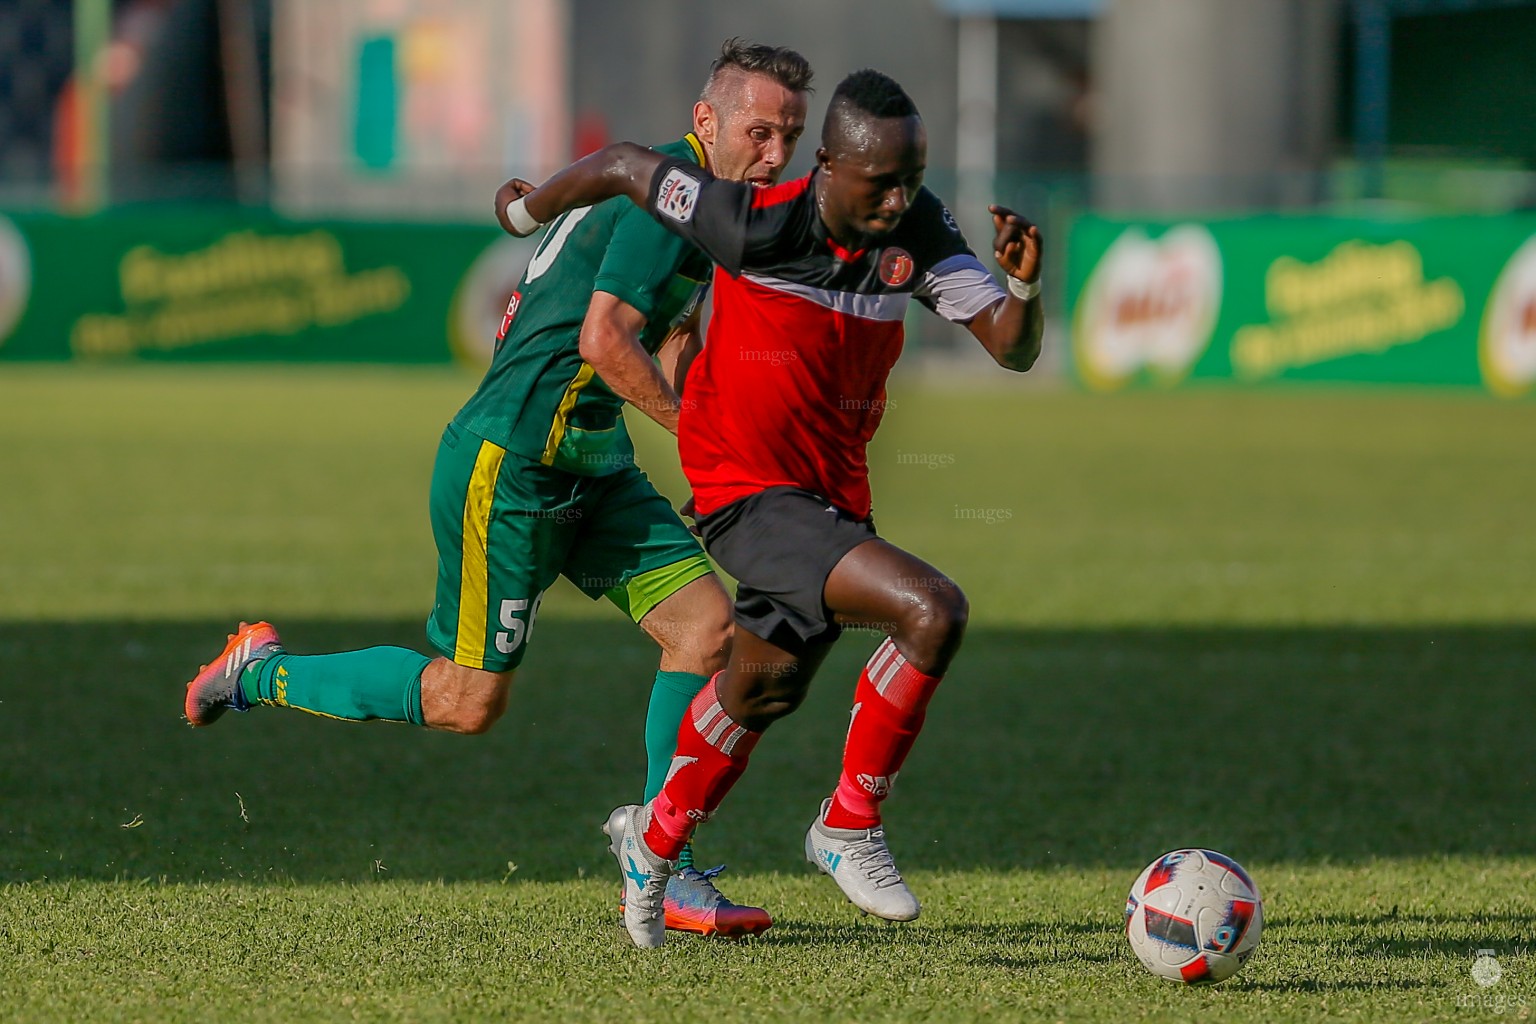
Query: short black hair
{"points": [[862, 97], [874, 93], [779, 63]]}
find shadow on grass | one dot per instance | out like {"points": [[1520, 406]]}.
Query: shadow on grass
{"points": [[1045, 748], [788, 931], [1397, 935], [1407, 921], [1034, 963], [1315, 986]]}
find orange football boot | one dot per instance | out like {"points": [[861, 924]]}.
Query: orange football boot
{"points": [[216, 687]]}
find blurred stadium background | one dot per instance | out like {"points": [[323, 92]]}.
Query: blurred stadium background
{"points": [[278, 179]]}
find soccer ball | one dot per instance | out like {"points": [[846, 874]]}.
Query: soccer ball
{"points": [[1194, 916]]}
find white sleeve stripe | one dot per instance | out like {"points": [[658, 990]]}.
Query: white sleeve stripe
{"points": [[960, 287], [882, 306], [949, 263]]}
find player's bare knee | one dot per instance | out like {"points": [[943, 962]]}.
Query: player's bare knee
{"points": [[934, 626], [758, 713], [766, 696], [715, 643], [957, 611], [693, 627], [700, 646], [715, 628]]}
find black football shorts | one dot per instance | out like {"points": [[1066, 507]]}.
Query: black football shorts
{"points": [[781, 544]]}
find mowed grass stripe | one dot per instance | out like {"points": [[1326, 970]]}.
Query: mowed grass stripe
{"points": [[181, 493]]}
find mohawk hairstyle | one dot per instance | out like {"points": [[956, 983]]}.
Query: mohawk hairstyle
{"points": [[779, 63], [875, 94]]}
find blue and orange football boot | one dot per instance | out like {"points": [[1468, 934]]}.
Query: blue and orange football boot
{"points": [[216, 687], [692, 903]]}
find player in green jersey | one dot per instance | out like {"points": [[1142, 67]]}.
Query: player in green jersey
{"points": [[535, 477]]}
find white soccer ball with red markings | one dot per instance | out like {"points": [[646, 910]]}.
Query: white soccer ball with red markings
{"points": [[1194, 916]]}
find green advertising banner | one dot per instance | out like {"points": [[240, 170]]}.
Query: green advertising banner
{"points": [[193, 285], [1420, 301]]}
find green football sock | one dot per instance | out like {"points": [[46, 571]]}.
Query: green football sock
{"points": [[670, 696], [359, 686]]}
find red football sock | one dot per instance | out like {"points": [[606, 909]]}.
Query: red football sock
{"points": [[889, 706], [712, 752]]}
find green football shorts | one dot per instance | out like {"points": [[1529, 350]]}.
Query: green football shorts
{"points": [[506, 526]]}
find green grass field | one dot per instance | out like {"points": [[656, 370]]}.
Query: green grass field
{"points": [[1299, 627]]}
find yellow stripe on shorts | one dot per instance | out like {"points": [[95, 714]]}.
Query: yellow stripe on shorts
{"points": [[474, 574], [563, 413]]}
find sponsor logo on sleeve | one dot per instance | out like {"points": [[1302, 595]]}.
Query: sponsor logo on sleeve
{"points": [[510, 315], [678, 195]]}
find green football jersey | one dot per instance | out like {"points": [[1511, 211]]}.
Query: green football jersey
{"points": [[539, 399]]}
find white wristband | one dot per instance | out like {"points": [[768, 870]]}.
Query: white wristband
{"points": [[1025, 290], [523, 223]]}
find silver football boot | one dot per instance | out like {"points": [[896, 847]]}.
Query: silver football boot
{"points": [[645, 875], [860, 863]]}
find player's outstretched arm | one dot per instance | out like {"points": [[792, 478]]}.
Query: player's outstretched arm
{"points": [[610, 344], [1011, 330], [621, 169]]}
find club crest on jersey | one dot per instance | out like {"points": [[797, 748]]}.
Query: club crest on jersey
{"points": [[896, 267], [678, 195]]}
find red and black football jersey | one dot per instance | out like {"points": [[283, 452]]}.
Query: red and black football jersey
{"points": [[790, 386]]}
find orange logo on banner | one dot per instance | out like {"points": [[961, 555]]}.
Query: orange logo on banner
{"points": [[1507, 342], [1150, 306], [15, 277]]}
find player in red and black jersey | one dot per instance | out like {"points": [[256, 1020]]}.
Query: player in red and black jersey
{"points": [[814, 279]]}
